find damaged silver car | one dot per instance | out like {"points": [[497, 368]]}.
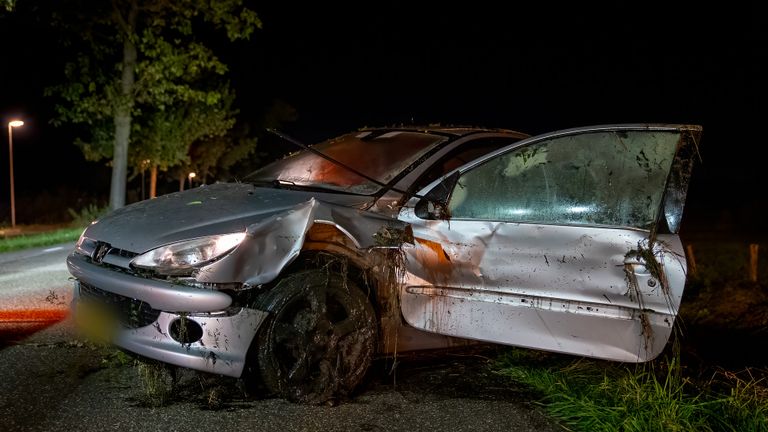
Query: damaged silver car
{"points": [[390, 240]]}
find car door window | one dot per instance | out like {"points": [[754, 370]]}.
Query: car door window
{"points": [[463, 154], [611, 178]]}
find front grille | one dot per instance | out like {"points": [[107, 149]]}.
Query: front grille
{"points": [[123, 253], [103, 253], [130, 312]]}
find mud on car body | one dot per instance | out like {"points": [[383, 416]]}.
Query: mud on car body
{"points": [[387, 240]]}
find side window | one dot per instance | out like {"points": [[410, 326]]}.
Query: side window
{"points": [[459, 156], [601, 178]]}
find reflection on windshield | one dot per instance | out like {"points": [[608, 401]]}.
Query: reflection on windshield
{"points": [[381, 157]]}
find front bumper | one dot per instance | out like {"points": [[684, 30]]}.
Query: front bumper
{"points": [[160, 294], [226, 334]]}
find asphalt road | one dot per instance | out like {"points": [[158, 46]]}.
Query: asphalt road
{"points": [[28, 274], [51, 380], [34, 290]]}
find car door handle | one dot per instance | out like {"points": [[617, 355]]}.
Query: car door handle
{"points": [[636, 266], [640, 270], [634, 260]]}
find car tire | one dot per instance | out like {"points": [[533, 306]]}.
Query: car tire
{"points": [[320, 337]]}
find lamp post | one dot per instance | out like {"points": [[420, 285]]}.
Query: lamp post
{"points": [[191, 176], [12, 124]]}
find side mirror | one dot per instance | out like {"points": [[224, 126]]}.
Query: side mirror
{"points": [[434, 205], [430, 210]]}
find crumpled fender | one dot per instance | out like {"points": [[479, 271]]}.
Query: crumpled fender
{"points": [[273, 243]]}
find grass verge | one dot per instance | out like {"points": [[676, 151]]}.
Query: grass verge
{"points": [[591, 395], [42, 239]]}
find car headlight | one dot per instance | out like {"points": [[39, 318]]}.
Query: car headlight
{"points": [[85, 245], [182, 257]]}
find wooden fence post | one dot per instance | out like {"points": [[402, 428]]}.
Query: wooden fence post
{"points": [[753, 262], [691, 260]]}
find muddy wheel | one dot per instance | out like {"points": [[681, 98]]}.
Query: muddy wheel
{"points": [[319, 340]]}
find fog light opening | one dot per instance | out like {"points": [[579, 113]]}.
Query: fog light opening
{"points": [[185, 331]]}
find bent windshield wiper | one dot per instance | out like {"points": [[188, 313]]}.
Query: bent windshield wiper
{"points": [[341, 164], [285, 184]]}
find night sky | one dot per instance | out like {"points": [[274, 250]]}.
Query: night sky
{"points": [[383, 63]]}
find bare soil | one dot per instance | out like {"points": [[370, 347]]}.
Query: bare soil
{"points": [[725, 325]]}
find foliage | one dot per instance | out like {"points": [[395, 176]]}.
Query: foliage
{"points": [[157, 380], [87, 214], [115, 358], [39, 240], [234, 154], [217, 154], [145, 78], [8, 5], [590, 395], [166, 135], [744, 406]]}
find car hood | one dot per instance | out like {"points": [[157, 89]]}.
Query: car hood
{"points": [[207, 210]]}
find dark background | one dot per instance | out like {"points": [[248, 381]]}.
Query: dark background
{"points": [[490, 64]]}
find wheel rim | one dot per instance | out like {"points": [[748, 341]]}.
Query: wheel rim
{"points": [[321, 342]]}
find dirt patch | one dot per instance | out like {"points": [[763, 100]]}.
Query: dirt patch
{"points": [[726, 324], [446, 374], [431, 376], [739, 306]]}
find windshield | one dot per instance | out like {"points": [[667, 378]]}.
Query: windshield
{"points": [[381, 157]]}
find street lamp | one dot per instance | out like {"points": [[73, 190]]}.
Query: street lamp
{"points": [[191, 176], [12, 124]]}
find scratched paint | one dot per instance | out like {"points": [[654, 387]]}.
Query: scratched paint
{"points": [[550, 287], [571, 288]]}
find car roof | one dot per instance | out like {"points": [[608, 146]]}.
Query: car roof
{"points": [[447, 130]]}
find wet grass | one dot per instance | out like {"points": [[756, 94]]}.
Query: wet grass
{"points": [[25, 241], [721, 383], [157, 381], [592, 395]]}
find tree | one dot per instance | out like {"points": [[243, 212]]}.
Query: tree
{"points": [[214, 156], [143, 73], [166, 135], [234, 154]]}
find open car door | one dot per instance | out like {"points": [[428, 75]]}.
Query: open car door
{"points": [[563, 242]]}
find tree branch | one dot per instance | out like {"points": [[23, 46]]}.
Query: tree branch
{"points": [[128, 24], [119, 18]]}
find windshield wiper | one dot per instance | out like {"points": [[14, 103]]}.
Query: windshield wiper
{"points": [[340, 164], [285, 184]]}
